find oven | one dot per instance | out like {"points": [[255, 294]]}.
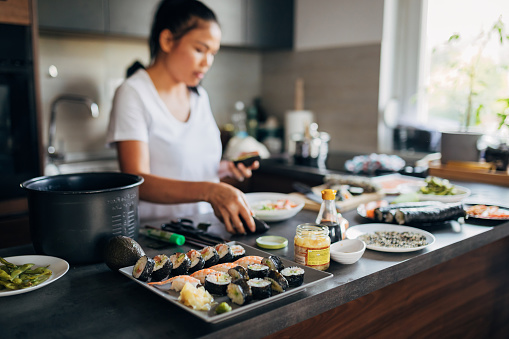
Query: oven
{"points": [[19, 145]]}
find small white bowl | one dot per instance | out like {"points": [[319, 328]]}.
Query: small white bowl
{"points": [[347, 251]]}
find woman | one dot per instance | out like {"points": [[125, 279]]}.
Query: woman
{"points": [[164, 129]]}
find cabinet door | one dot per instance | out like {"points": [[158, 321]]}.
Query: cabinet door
{"points": [[231, 15], [131, 17], [72, 15], [14, 12], [270, 23]]}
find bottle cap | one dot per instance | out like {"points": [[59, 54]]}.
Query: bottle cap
{"points": [[177, 239], [328, 194]]}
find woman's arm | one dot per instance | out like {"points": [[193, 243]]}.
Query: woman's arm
{"points": [[229, 203]]}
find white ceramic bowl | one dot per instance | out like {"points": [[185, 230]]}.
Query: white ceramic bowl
{"points": [[256, 199], [347, 251]]}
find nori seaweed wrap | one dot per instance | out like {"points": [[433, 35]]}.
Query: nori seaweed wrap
{"points": [[260, 288], [382, 211], [162, 267], [143, 268], [197, 261], [279, 282], [181, 264], [257, 271], [430, 214], [238, 272], [225, 253], [294, 275], [239, 292], [210, 256], [217, 283]]}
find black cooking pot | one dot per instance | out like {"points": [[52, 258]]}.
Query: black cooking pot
{"points": [[72, 216]]}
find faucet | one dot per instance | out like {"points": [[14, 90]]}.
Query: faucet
{"points": [[91, 105]]}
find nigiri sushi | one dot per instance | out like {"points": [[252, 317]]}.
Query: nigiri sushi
{"points": [[201, 274], [175, 283], [224, 267], [249, 260]]}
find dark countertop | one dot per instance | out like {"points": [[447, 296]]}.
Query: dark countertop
{"points": [[93, 301]]}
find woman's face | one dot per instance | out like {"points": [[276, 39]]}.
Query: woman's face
{"points": [[189, 58]]}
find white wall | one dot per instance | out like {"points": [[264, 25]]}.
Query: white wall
{"points": [[336, 23]]}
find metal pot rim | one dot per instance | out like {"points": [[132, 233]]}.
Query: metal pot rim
{"points": [[137, 180]]}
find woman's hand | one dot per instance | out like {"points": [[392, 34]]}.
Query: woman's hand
{"points": [[239, 172], [231, 208]]}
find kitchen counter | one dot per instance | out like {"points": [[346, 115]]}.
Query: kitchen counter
{"points": [[93, 301]]}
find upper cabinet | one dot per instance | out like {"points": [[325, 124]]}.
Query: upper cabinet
{"points": [[84, 16], [260, 24]]}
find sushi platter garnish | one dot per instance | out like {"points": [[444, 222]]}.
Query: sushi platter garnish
{"points": [[218, 282]]}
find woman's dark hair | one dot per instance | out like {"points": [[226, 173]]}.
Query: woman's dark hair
{"points": [[180, 17]]}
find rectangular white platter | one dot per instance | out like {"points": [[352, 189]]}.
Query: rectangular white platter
{"points": [[311, 277]]}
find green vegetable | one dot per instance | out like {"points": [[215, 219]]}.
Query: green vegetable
{"points": [[13, 277], [438, 186], [223, 308]]}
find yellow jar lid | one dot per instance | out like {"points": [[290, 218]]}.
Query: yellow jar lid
{"points": [[328, 194], [272, 242]]}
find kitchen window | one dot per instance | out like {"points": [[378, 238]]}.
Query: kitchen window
{"points": [[424, 80]]}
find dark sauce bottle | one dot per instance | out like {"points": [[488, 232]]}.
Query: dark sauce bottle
{"points": [[329, 216]]}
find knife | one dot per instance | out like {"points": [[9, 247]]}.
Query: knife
{"points": [[307, 191]]}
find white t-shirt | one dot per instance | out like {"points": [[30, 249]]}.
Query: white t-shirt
{"points": [[189, 151]]}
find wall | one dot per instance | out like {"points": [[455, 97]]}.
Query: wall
{"points": [[337, 53], [95, 66]]}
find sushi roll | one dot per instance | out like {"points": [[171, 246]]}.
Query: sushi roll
{"points": [[197, 261], [162, 267], [175, 283], [143, 268], [238, 272], [225, 253], [209, 254], [294, 275], [239, 292], [217, 283], [249, 260], [260, 288], [181, 264], [274, 263], [257, 271], [237, 252], [279, 282]]}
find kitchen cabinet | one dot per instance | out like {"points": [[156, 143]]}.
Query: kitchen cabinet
{"points": [[15, 12], [86, 16], [258, 24], [131, 17]]}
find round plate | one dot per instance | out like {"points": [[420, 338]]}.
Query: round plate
{"points": [[272, 242], [256, 200], [463, 193], [58, 266], [358, 230]]}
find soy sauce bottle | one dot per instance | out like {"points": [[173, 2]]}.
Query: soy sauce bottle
{"points": [[329, 216]]}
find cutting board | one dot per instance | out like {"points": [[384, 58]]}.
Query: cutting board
{"points": [[342, 206]]}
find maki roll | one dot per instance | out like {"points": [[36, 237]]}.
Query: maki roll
{"points": [[143, 268], [257, 271], [260, 288], [217, 283], [238, 272], [382, 213], [210, 256], [239, 292], [181, 264], [225, 253], [237, 252], [273, 262], [278, 281], [162, 267], [294, 275], [197, 261], [430, 214]]}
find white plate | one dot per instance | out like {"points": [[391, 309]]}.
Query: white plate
{"points": [[463, 193], [358, 230], [58, 266], [254, 199]]}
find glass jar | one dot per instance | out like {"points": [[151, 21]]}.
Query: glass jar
{"points": [[312, 246]]}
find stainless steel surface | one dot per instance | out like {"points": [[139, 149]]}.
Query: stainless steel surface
{"points": [[79, 99]]}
